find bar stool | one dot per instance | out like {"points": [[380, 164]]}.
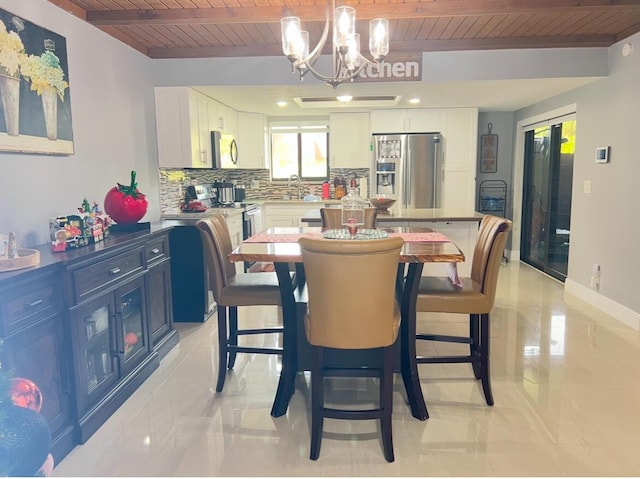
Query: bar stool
{"points": [[230, 290], [332, 218], [353, 310], [475, 297]]}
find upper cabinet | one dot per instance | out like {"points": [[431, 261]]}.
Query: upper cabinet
{"points": [[349, 140], [183, 128], [407, 121], [252, 140], [227, 120]]}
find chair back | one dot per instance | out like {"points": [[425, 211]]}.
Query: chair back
{"points": [[487, 254], [217, 245], [351, 286], [332, 218]]}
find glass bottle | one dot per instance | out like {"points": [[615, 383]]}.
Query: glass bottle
{"points": [[352, 211]]}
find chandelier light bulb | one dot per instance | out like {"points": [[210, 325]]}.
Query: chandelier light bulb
{"points": [[352, 57], [290, 27], [344, 22], [379, 38]]}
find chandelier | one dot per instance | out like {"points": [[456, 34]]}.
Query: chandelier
{"points": [[348, 62]]}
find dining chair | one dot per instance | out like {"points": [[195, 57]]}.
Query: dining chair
{"points": [[232, 289], [475, 297], [332, 218], [353, 310]]}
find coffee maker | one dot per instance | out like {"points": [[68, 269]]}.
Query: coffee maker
{"points": [[225, 193]]}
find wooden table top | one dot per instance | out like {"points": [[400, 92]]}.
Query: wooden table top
{"points": [[289, 252]]}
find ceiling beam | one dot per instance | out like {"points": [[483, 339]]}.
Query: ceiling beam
{"points": [[398, 47], [367, 11]]}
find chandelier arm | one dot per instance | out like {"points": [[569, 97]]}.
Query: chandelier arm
{"points": [[333, 80], [315, 53]]}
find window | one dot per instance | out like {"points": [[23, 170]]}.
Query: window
{"points": [[300, 149]]}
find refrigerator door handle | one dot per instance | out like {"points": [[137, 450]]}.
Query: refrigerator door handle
{"points": [[436, 186], [406, 180]]}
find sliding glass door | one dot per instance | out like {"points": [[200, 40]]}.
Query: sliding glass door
{"points": [[548, 176]]}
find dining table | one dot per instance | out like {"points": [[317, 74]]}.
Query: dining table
{"points": [[279, 245]]}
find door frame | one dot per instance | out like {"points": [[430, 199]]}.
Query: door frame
{"points": [[550, 117]]}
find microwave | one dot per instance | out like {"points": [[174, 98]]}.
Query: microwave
{"points": [[224, 150]]}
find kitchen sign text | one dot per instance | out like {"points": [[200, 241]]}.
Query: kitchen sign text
{"points": [[394, 68]]}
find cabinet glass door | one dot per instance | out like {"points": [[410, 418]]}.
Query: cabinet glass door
{"points": [[97, 368], [131, 311]]}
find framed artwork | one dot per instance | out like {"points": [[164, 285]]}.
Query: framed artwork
{"points": [[489, 152], [34, 89]]}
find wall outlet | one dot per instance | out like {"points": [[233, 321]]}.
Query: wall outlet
{"points": [[255, 184]]}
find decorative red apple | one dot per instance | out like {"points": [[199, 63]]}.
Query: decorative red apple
{"points": [[125, 204]]}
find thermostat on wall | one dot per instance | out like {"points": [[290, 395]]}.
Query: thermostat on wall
{"points": [[602, 154]]}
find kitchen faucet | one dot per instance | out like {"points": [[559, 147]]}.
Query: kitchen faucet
{"points": [[296, 178]]}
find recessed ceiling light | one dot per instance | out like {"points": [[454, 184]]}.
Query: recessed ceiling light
{"points": [[344, 98], [414, 101], [281, 103]]}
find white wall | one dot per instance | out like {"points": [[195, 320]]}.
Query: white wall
{"points": [[604, 223], [113, 118]]}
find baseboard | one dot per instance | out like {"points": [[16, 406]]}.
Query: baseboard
{"points": [[577, 296]]}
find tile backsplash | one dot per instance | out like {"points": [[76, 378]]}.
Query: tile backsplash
{"points": [[173, 183]]}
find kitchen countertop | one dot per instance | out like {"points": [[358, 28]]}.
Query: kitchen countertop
{"points": [[412, 214], [180, 215]]}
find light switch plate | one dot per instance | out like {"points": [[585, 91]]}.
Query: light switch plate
{"points": [[587, 186]]}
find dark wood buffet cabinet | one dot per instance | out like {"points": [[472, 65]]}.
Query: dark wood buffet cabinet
{"points": [[88, 326]]}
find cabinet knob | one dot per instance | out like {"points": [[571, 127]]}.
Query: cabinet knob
{"points": [[155, 250], [114, 271]]}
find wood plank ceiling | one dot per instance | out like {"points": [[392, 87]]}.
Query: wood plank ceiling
{"points": [[236, 28]]}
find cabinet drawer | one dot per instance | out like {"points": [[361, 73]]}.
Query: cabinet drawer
{"points": [[157, 249], [26, 304], [103, 274]]}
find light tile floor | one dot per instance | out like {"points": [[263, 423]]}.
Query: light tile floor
{"points": [[566, 388]]}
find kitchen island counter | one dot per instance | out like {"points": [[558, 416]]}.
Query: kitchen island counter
{"points": [[312, 217], [459, 225]]}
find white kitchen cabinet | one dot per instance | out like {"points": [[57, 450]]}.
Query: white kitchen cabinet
{"points": [[252, 140], [350, 139], [223, 118], [421, 120], [234, 223], [462, 233], [183, 130], [460, 146], [287, 215]]}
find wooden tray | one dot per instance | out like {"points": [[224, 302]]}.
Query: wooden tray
{"points": [[26, 259]]}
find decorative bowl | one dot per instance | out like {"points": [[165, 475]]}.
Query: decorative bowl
{"points": [[382, 203]]}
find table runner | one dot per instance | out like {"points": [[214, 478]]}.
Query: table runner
{"points": [[430, 237]]}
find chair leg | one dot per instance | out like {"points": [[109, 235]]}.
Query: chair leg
{"points": [[317, 401], [386, 403], [484, 358], [474, 346], [233, 334], [222, 347]]}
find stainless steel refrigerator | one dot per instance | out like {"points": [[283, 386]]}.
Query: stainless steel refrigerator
{"points": [[409, 168]]}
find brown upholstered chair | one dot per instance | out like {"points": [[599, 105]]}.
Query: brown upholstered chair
{"points": [[230, 290], [355, 309], [475, 297], [332, 218]]}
